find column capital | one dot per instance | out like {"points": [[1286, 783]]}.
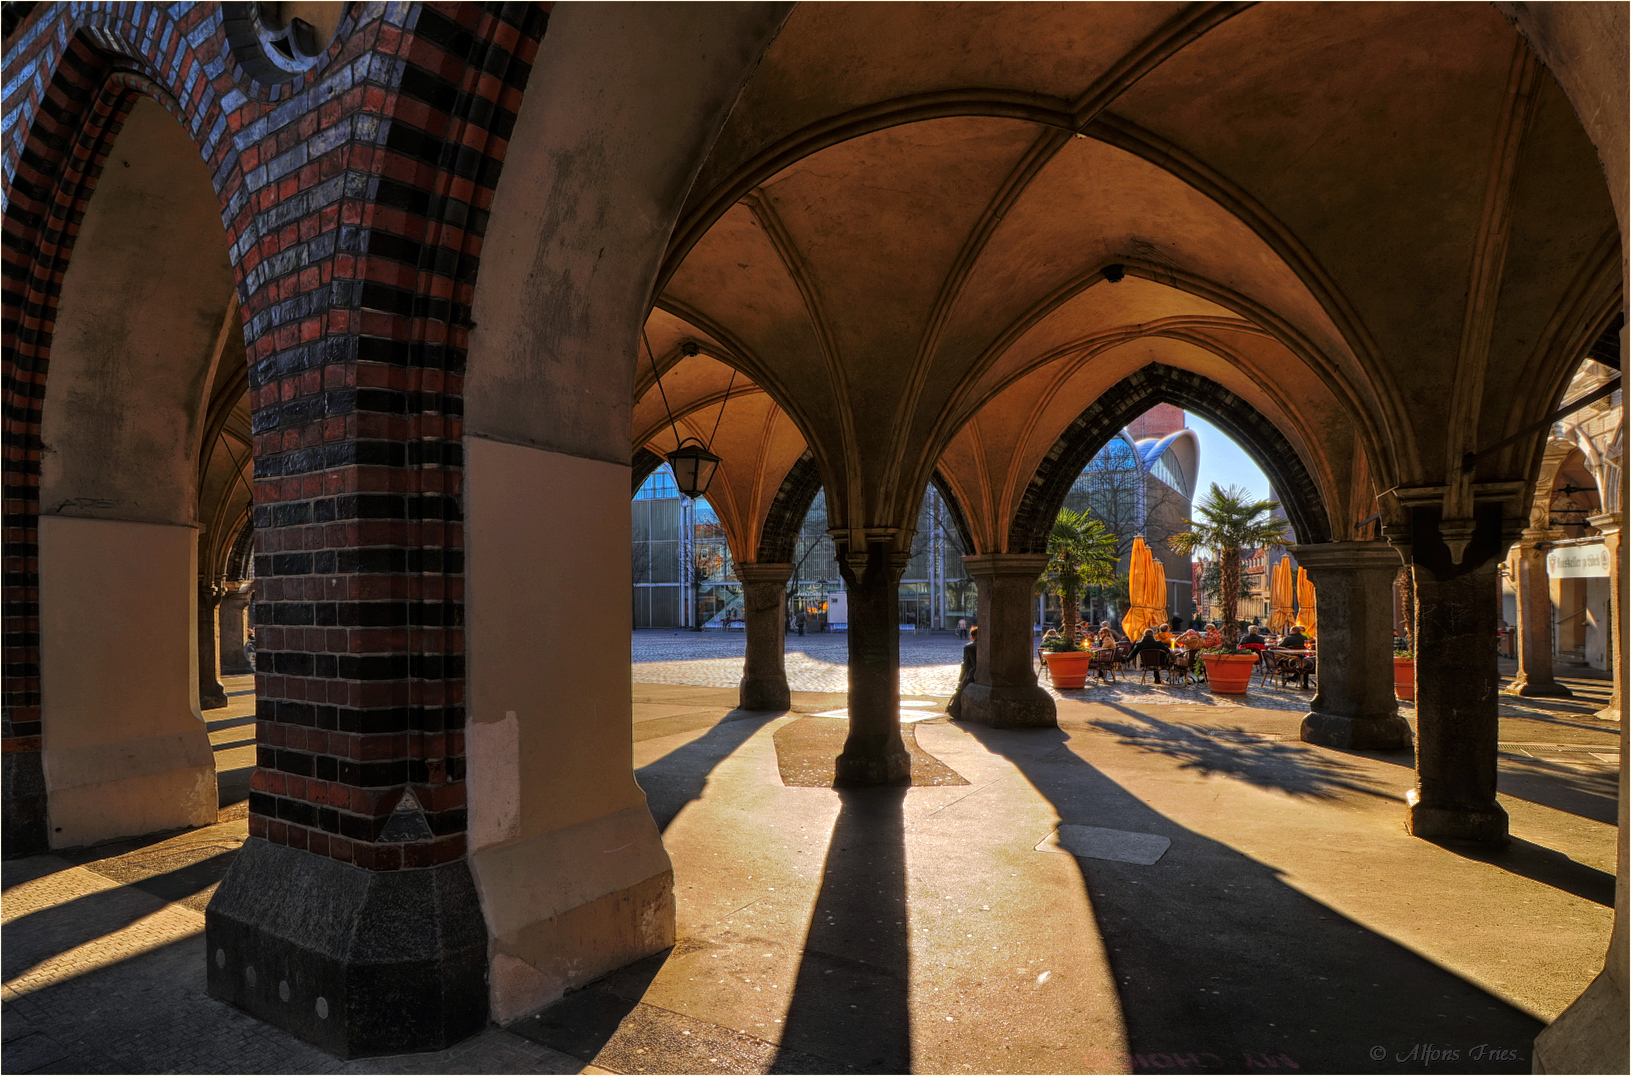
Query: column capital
{"points": [[1349, 555], [1608, 523], [770, 572], [995, 564], [1533, 536]]}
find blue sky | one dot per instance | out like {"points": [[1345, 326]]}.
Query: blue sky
{"points": [[1223, 461]]}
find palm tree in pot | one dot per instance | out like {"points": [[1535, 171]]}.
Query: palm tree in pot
{"points": [[1230, 523], [1081, 553]]}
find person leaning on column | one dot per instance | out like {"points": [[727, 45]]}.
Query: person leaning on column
{"points": [[954, 708]]}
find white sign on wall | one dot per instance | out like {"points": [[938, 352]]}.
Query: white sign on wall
{"points": [[1577, 562]]}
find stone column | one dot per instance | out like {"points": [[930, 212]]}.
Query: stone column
{"points": [[1004, 693], [211, 695], [1354, 707], [1534, 677], [874, 753], [764, 605], [1609, 525], [1457, 711], [234, 606]]}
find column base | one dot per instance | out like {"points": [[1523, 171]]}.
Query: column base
{"points": [[126, 788], [360, 963], [27, 830], [1389, 733], [212, 698], [1609, 713], [861, 770], [1014, 707], [1537, 689], [1487, 825], [245, 669], [565, 907], [759, 694], [1590, 1035]]}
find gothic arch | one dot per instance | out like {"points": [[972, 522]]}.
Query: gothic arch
{"points": [[781, 528], [797, 493], [1131, 397], [642, 467]]}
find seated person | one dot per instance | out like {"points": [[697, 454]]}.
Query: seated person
{"points": [[1150, 642], [1212, 636], [1191, 640], [1107, 638], [1252, 640], [1295, 640], [1163, 634], [965, 675]]}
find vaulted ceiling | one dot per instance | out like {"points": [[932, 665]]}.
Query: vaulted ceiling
{"points": [[1375, 223]]}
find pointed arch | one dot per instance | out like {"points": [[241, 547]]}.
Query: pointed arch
{"points": [[1131, 397]]}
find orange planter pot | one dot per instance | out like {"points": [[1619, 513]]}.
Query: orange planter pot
{"points": [[1228, 674], [1068, 669], [1404, 679]]}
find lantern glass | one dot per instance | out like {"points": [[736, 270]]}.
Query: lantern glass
{"points": [[693, 468]]}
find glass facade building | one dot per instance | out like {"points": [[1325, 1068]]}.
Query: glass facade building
{"points": [[684, 575]]}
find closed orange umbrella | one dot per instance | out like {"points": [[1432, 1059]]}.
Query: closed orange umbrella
{"points": [[1281, 595], [1309, 613], [1146, 590]]}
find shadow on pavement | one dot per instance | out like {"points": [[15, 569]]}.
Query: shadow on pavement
{"points": [[1260, 760], [1562, 787], [849, 1007], [1541, 864], [680, 776], [31, 939], [1222, 966], [850, 997]]}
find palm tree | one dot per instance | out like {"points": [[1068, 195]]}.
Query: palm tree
{"points": [[1231, 522], [1081, 552]]}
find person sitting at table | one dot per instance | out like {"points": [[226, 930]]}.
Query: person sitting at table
{"points": [[1212, 636], [1252, 640], [1107, 638], [1191, 640], [1301, 664], [1163, 634], [1150, 642]]}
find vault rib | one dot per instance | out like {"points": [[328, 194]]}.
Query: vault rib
{"points": [[782, 240], [1171, 37], [1484, 283]]}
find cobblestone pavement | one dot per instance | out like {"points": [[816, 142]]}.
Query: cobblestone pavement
{"points": [[928, 662]]}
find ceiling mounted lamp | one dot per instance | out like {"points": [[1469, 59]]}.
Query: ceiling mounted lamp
{"points": [[693, 466], [691, 461]]}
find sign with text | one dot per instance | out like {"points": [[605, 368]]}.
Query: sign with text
{"points": [[1578, 562]]}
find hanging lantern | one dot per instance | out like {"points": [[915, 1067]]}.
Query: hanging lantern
{"points": [[693, 466]]}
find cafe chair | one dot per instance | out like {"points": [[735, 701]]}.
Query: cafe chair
{"points": [[1151, 660]]}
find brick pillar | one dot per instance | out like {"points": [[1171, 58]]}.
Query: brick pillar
{"points": [[234, 607], [1534, 676], [1354, 707], [764, 672], [1609, 524], [1004, 692], [874, 753], [350, 917], [211, 695]]}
